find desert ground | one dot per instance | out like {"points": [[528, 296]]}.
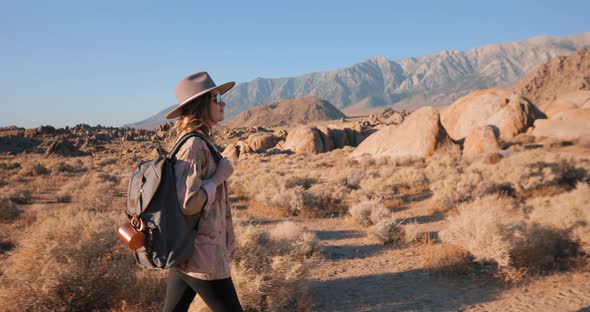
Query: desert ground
{"points": [[483, 205]]}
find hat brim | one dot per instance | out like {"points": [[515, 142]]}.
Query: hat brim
{"points": [[176, 112]]}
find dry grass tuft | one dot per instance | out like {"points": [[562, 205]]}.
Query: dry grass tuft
{"points": [[271, 264], [446, 259], [8, 210], [542, 235], [20, 195], [368, 212], [71, 259], [388, 231], [34, 169], [484, 229]]}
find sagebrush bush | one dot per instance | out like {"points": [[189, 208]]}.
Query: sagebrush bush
{"points": [[20, 195], [388, 231], [522, 174], [71, 260], [484, 228], [270, 265], [411, 232], [8, 210], [369, 211], [513, 235], [34, 169], [6, 165], [569, 212], [445, 259]]}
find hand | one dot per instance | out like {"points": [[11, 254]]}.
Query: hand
{"points": [[224, 171]]}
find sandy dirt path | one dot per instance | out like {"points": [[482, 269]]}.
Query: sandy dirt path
{"points": [[358, 274]]}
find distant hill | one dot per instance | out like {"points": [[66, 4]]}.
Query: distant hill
{"points": [[286, 112], [556, 78], [151, 122], [436, 80]]}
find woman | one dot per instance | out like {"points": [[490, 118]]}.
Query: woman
{"points": [[201, 190]]}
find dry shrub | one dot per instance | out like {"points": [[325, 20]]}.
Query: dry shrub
{"points": [[8, 210], [305, 182], [64, 196], [518, 238], [392, 181], [270, 266], [6, 165], [323, 199], [69, 167], [34, 169], [569, 212], [524, 174], [388, 231], [445, 259], [411, 232], [455, 189], [369, 211], [71, 260], [484, 228], [543, 249], [98, 192], [296, 194], [20, 195]]}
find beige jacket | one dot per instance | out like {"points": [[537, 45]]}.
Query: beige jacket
{"points": [[214, 243]]}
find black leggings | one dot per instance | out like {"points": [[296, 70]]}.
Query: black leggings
{"points": [[219, 295]]}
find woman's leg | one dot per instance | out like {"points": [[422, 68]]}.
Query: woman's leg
{"points": [[219, 295], [179, 295]]}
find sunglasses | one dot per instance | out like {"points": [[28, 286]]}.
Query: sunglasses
{"points": [[217, 98]]}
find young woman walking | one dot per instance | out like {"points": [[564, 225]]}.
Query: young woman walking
{"points": [[201, 190]]}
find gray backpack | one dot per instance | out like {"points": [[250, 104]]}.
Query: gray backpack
{"points": [[152, 201]]}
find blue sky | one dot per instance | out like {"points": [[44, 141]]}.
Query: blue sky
{"points": [[115, 62]]}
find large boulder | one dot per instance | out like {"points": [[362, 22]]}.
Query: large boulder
{"points": [[231, 151], [481, 140], [418, 137], [508, 113], [305, 139], [568, 125], [573, 100], [262, 140]]}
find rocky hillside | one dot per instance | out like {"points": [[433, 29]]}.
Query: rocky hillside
{"points": [[286, 112], [436, 80], [556, 78]]}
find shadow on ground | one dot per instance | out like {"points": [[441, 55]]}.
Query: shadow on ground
{"points": [[350, 251], [424, 219], [336, 235], [413, 290]]}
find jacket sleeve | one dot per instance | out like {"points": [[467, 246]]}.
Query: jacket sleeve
{"points": [[195, 197]]}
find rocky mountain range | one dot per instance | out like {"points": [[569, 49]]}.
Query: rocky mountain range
{"points": [[435, 80]]}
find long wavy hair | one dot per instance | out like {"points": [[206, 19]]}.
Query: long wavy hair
{"points": [[193, 117]]}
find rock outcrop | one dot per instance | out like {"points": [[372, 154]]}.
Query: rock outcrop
{"points": [[305, 139], [572, 124], [418, 137], [556, 78], [573, 100], [63, 148], [481, 140], [508, 113]]}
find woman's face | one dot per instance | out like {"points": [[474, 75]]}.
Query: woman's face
{"points": [[216, 109]]}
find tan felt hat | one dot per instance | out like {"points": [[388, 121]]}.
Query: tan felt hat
{"points": [[194, 86]]}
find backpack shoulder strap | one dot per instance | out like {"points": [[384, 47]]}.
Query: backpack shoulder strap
{"points": [[216, 155]]}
